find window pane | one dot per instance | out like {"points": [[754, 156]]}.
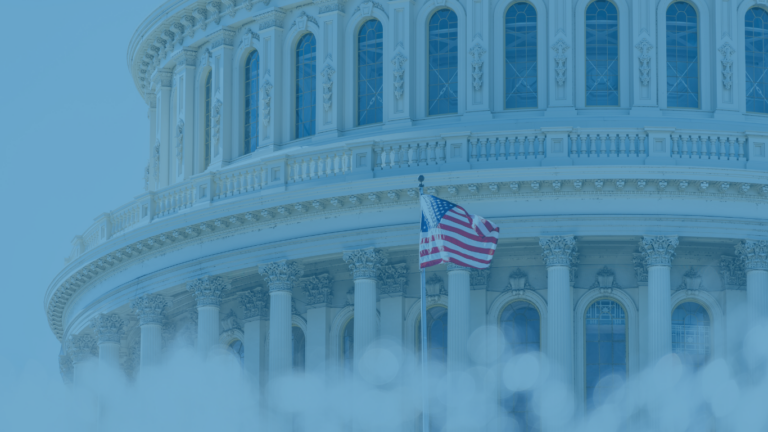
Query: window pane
{"points": [[443, 61], [602, 49], [690, 334], [370, 72], [207, 134], [520, 57], [251, 103], [756, 55], [682, 56], [606, 358], [521, 326], [306, 66]]}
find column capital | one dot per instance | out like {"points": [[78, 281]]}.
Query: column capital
{"points": [[658, 250], [108, 327], [80, 347], [281, 275], [318, 289], [149, 308], [754, 254], [457, 267], [255, 303], [557, 250], [393, 279], [207, 290], [365, 263]]}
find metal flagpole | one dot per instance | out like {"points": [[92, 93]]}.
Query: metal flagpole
{"points": [[424, 358]]}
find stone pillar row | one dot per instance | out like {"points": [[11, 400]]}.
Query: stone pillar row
{"points": [[754, 254]]}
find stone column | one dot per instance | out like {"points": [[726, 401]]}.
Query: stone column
{"points": [[256, 306], [365, 265], [109, 328], [754, 254], [207, 290], [149, 309], [458, 317], [319, 297], [392, 284], [81, 348], [659, 252], [280, 276], [558, 251]]}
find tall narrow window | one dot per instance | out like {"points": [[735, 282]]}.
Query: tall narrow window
{"points": [[348, 346], [207, 133], [690, 334], [251, 102], [606, 350], [521, 325], [370, 73], [602, 49], [306, 70], [299, 348], [756, 55], [520, 78], [443, 63], [682, 56], [238, 350]]}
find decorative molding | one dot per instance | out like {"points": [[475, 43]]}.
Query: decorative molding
{"points": [[156, 161], [557, 250], [216, 124], [206, 58], [81, 347], [365, 263], [641, 269], [435, 288], [230, 322], [281, 275], [108, 327], [726, 62], [351, 296], [207, 290], [754, 253], [319, 289], [477, 52], [223, 37], [658, 250], [366, 8], [273, 18], [266, 100], [146, 176], [560, 47], [691, 281], [302, 19], [518, 282], [327, 75], [66, 369], [179, 143], [255, 303], [399, 74], [645, 48], [149, 308], [605, 280], [393, 279], [325, 6], [733, 273], [248, 37], [215, 8], [457, 267], [478, 278]]}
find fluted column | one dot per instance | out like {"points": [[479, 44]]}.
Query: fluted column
{"points": [[149, 309], [755, 257], [256, 306], [558, 251], [207, 291], [280, 276], [659, 252], [81, 348], [365, 265], [109, 328], [458, 317]]}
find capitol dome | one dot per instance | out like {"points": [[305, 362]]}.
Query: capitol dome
{"points": [[620, 146]]}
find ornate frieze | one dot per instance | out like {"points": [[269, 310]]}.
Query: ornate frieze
{"points": [[726, 62], [255, 302], [457, 267], [518, 282], [605, 280], [281, 275], [319, 289], [557, 250], [399, 74], [81, 347], [477, 52], [366, 8], [108, 327], [365, 263], [645, 48], [207, 290], [754, 253], [327, 75], [641, 269], [478, 278], [273, 18], [325, 6], [302, 19], [691, 281], [732, 272], [393, 279], [560, 47], [658, 250], [230, 322], [266, 101]]}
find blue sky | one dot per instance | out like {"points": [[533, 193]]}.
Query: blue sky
{"points": [[73, 136]]}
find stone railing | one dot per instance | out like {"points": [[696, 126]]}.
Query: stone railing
{"points": [[545, 147]]}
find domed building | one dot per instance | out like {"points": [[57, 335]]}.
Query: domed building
{"points": [[620, 146]]}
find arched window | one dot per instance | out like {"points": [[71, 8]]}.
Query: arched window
{"points": [[306, 71], [443, 63], [348, 346], [521, 325], [370, 73], [690, 334], [520, 69], [682, 56], [299, 348], [251, 102], [207, 132], [756, 54], [602, 49], [606, 351], [238, 349], [437, 335]]}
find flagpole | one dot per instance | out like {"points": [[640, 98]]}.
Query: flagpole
{"points": [[424, 357]]}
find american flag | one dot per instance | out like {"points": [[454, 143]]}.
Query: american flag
{"points": [[450, 234]]}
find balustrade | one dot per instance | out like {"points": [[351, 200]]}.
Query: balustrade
{"points": [[511, 147], [708, 147], [403, 155], [620, 144]]}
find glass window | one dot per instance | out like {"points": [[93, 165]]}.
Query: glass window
{"points": [[370, 73], [520, 82], [238, 350], [756, 52], [299, 348], [690, 334], [602, 50], [348, 346], [682, 56], [207, 134], [306, 70], [521, 325], [251, 102], [443, 63], [606, 350]]}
